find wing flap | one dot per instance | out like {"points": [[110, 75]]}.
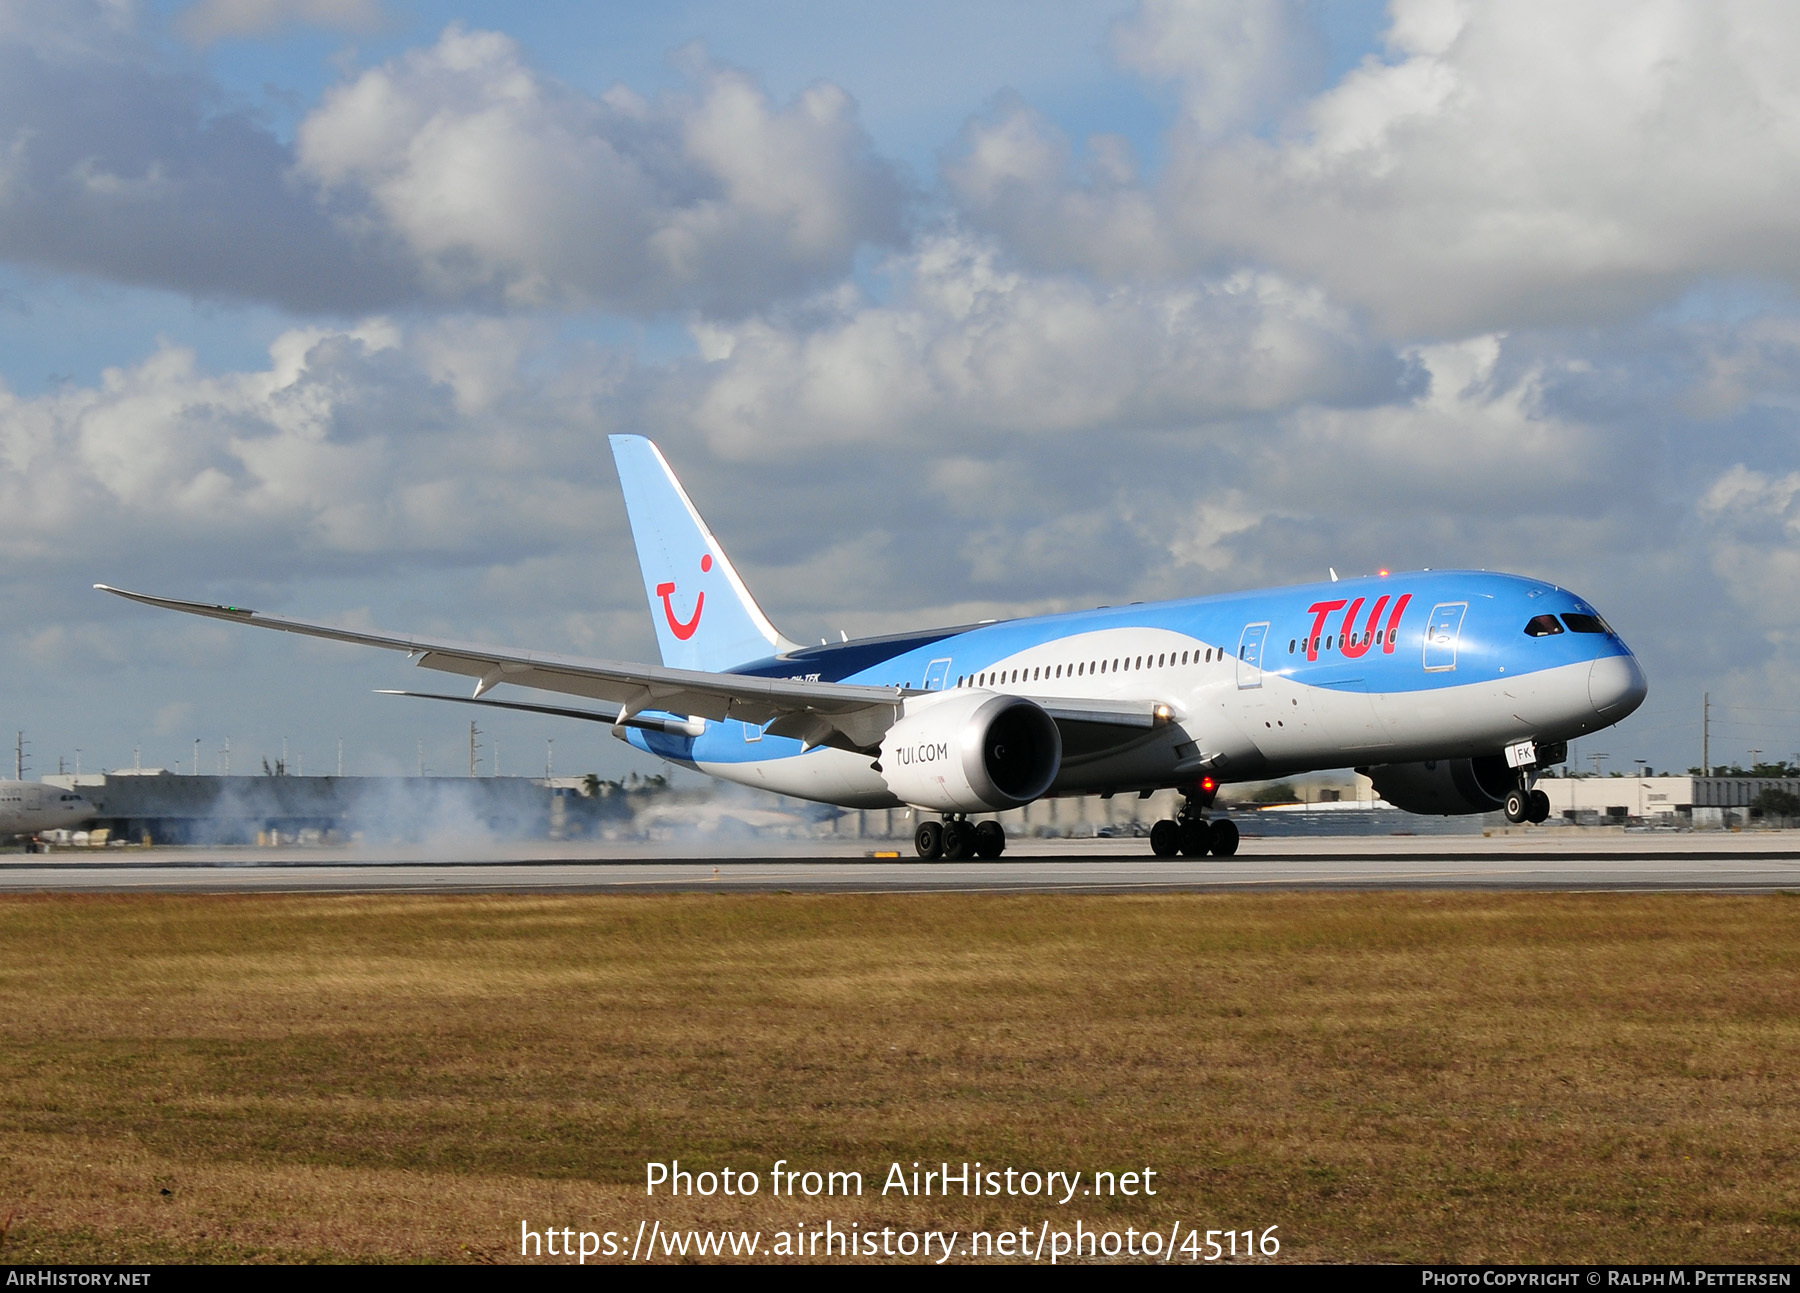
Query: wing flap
{"points": [[1105, 713]]}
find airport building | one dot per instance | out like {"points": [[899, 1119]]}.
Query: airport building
{"points": [[169, 808], [1696, 801]]}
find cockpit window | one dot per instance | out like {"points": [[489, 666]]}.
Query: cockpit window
{"points": [[1543, 626], [1585, 623]]}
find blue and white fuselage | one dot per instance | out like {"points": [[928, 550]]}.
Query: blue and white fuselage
{"points": [[1424, 666]]}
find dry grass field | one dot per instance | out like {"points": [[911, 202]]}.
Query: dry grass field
{"points": [[1393, 1077]]}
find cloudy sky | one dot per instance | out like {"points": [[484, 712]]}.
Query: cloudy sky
{"points": [[327, 306]]}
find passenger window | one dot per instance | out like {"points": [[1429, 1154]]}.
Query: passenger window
{"points": [[1543, 626], [1585, 623]]}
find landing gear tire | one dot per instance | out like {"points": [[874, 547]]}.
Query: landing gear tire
{"points": [[929, 840], [959, 841], [1518, 805], [1196, 838], [1540, 807], [1224, 838], [990, 839], [1165, 839]]}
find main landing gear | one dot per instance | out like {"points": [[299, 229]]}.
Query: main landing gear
{"points": [[956, 839], [1192, 834]]}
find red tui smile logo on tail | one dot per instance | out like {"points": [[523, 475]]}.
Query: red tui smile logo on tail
{"points": [[667, 591]]}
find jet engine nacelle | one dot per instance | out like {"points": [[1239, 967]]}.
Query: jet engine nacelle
{"points": [[973, 752], [1445, 786]]}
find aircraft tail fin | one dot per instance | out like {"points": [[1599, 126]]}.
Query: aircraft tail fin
{"points": [[704, 615]]}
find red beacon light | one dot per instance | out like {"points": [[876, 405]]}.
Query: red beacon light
{"points": [[1208, 785]]}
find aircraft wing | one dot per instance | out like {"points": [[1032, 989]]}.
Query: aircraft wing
{"points": [[848, 715], [860, 713]]}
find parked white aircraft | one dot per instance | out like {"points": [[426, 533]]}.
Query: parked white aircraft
{"points": [[1449, 688], [27, 807]]}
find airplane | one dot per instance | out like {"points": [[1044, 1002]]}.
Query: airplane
{"points": [[27, 807], [1451, 690]]}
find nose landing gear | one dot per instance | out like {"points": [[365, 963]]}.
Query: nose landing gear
{"points": [[1524, 804]]}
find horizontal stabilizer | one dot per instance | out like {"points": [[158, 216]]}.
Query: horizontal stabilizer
{"points": [[668, 726]]}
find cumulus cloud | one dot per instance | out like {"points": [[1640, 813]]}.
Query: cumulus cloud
{"points": [[1754, 500], [1234, 62], [497, 180], [1753, 519], [1470, 443], [975, 346], [454, 174], [115, 168], [1018, 177], [1507, 162], [342, 453], [1529, 161], [1754, 363], [207, 21]]}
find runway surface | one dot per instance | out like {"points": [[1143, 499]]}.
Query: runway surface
{"points": [[1759, 862]]}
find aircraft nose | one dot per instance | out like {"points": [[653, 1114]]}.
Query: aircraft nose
{"points": [[1616, 686]]}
